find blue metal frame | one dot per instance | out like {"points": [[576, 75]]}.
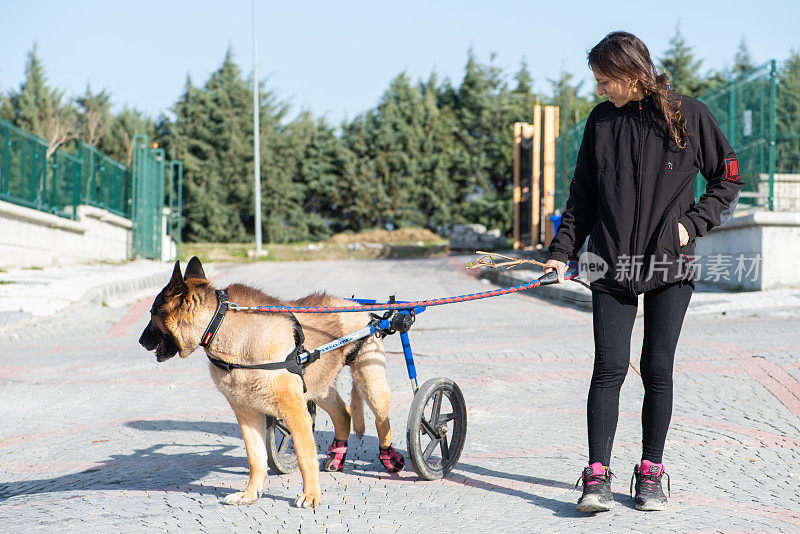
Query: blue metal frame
{"points": [[383, 327]]}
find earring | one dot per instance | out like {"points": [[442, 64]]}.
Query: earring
{"points": [[635, 89]]}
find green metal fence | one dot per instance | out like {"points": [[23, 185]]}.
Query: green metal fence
{"points": [[105, 183], [27, 177], [745, 111], [59, 184], [759, 113], [148, 198], [64, 181], [567, 145]]}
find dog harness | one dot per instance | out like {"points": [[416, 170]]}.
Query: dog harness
{"points": [[296, 361]]}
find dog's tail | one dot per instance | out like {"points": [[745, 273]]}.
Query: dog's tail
{"points": [[357, 410]]}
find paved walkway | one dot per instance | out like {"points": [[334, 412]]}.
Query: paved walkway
{"points": [[29, 294], [95, 435]]}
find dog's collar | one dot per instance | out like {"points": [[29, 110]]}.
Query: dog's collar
{"points": [[216, 321]]}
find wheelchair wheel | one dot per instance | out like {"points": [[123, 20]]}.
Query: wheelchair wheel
{"points": [[281, 457], [437, 428]]}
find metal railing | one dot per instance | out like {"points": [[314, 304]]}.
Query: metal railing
{"points": [[105, 183], [567, 146], [59, 184]]}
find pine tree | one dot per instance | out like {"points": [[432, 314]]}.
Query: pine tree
{"points": [[479, 114], [566, 95], [742, 62], [712, 81], [94, 117], [314, 157], [228, 102], [118, 142], [39, 109], [485, 110], [681, 66], [361, 196], [190, 141], [523, 92]]}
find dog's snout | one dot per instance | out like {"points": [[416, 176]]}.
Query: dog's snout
{"points": [[149, 339]]}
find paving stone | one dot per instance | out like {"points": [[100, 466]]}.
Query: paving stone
{"points": [[97, 436]]}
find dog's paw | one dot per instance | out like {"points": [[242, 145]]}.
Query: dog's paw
{"points": [[308, 500], [240, 498]]}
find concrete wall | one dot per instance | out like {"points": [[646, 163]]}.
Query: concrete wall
{"points": [[31, 238], [752, 251]]}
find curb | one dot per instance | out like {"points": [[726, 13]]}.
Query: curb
{"points": [[572, 295], [119, 288], [98, 296]]}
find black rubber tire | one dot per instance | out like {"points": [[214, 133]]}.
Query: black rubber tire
{"points": [[425, 421], [281, 457]]}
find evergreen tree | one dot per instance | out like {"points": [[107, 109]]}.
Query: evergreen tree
{"points": [[40, 109], [361, 196], [118, 143], [523, 92], [314, 157], [213, 135], [712, 81], [742, 62], [573, 107], [482, 171], [681, 66], [282, 192], [229, 118], [191, 141], [94, 116]]}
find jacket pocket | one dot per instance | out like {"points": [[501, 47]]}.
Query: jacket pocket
{"points": [[667, 243], [677, 233]]}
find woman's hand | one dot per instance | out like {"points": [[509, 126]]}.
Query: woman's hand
{"points": [[560, 268], [683, 235]]}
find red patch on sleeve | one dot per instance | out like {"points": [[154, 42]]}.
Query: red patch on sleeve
{"points": [[732, 170]]}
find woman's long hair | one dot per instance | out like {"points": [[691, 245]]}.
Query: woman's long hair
{"points": [[623, 57]]}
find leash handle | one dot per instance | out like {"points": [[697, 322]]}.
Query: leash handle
{"points": [[548, 278], [551, 277]]}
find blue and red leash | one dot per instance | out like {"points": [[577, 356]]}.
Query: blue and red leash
{"points": [[546, 279]]}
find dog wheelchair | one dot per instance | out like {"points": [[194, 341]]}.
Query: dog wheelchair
{"points": [[437, 420]]}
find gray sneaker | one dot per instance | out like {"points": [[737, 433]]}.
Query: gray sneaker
{"points": [[597, 495], [647, 482]]}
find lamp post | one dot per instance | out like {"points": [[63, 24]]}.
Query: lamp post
{"points": [[256, 142]]}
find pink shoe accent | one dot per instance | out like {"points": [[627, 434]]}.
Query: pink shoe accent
{"points": [[649, 468], [654, 470], [595, 469], [392, 460], [337, 452]]}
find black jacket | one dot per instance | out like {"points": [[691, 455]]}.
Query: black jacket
{"points": [[632, 186]]}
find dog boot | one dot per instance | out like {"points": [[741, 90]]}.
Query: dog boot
{"points": [[392, 460], [337, 452]]}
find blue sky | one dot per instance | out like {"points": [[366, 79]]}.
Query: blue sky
{"points": [[336, 58]]}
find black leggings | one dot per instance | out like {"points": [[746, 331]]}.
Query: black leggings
{"points": [[664, 310]]}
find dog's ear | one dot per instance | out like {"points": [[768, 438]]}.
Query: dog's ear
{"points": [[194, 269], [176, 283]]}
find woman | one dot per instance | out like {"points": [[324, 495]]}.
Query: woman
{"points": [[632, 192]]}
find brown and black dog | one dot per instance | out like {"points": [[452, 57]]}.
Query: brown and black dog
{"points": [[182, 311]]}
